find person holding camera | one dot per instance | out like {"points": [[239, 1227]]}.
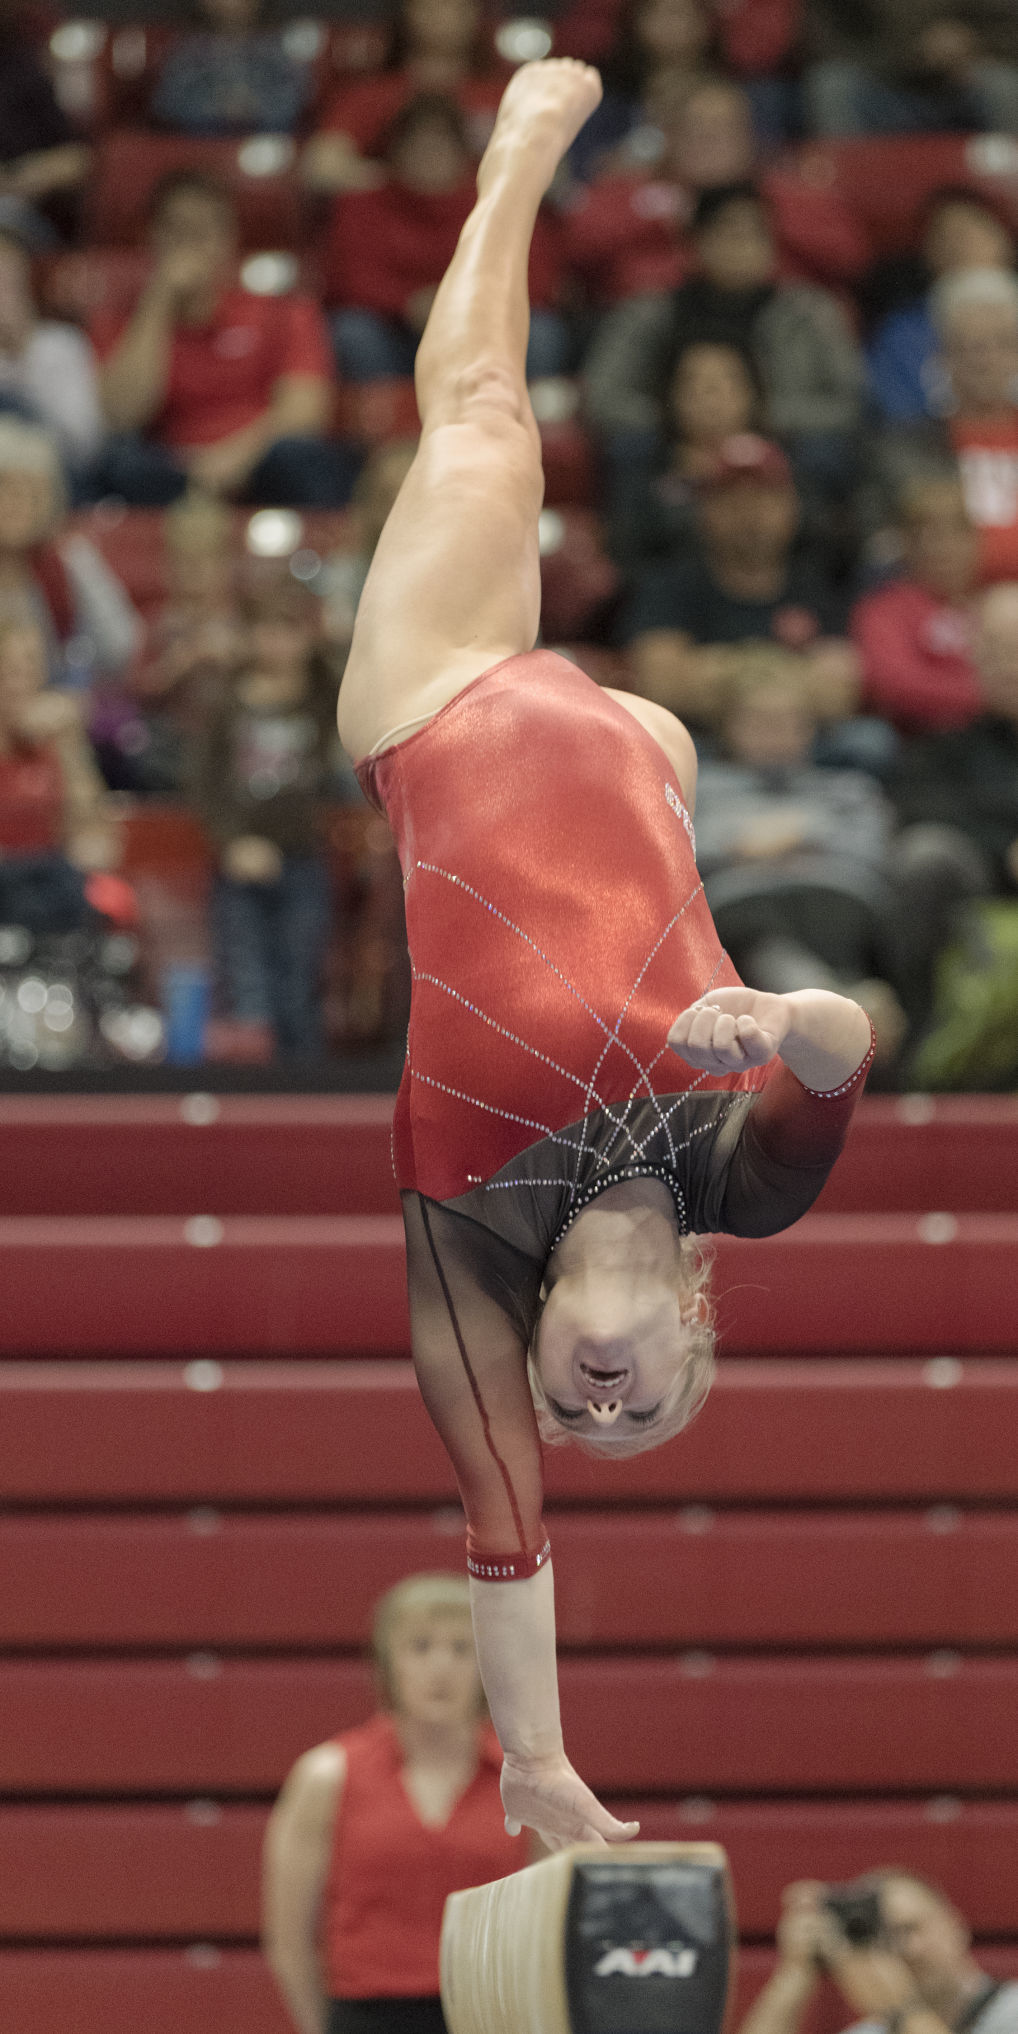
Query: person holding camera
{"points": [[899, 1953]]}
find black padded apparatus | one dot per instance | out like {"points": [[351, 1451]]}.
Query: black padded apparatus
{"points": [[648, 1946]]}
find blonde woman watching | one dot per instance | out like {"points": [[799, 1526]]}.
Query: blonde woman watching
{"points": [[374, 1829]]}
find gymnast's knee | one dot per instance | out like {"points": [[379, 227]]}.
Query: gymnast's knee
{"points": [[489, 395]]}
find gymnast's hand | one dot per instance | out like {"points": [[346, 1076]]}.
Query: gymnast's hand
{"points": [[730, 1029], [550, 1797]]}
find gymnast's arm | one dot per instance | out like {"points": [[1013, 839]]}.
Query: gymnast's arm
{"points": [[471, 1362], [298, 1848], [796, 1126]]}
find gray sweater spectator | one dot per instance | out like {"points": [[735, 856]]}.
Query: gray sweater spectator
{"points": [[809, 362]]}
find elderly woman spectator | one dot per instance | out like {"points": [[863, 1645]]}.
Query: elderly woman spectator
{"points": [[55, 577], [232, 75], [438, 46], [958, 230], [976, 316], [47, 370]]}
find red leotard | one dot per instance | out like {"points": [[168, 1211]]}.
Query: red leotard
{"points": [[557, 926]]}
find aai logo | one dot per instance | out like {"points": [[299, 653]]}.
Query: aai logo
{"points": [[674, 1962]]}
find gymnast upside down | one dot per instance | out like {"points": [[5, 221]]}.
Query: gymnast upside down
{"points": [[588, 1086]]}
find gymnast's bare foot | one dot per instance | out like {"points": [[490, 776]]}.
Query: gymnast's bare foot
{"points": [[543, 108]]}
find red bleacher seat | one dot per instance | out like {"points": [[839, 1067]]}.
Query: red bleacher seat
{"points": [[887, 180], [260, 173], [330, 1154], [630, 1579], [692, 1723], [98, 1286], [165, 1991], [185, 1870], [357, 1433]]}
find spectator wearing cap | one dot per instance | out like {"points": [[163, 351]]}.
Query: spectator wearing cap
{"points": [[437, 46], [232, 75], [43, 163], [205, 384], [47, 369], [958, 230], [748, 581], [806, 354], [388, 249], [911, 67], [627, 232], [915, 635], [976, 316]]}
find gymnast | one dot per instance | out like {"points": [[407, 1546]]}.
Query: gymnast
{"points": [[555, 1158]]}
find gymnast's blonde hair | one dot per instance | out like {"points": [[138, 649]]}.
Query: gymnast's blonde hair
{"points": [[418, 1597], [693, 1377]]}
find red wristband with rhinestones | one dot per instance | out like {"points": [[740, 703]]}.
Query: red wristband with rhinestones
{"points": [[515, 1567]]}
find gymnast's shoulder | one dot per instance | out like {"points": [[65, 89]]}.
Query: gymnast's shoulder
{"points": [[669, 732]]}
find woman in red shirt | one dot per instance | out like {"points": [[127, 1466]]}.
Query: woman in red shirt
{"points": [[375, 1829], [388, 249]]}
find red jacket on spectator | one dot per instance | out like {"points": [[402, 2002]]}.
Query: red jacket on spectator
{"points": [[757, 36], [366, 109], [623, 234], [916, 653], [222, 375], [386, 245]]}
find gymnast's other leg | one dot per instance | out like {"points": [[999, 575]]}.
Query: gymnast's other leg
{"points": [[454, 584]]}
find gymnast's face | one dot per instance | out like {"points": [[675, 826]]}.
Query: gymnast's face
{"points": [[608, 1338], [433, 1671]]}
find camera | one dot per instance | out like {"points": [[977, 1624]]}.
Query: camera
{"points": [[856, 1909]]}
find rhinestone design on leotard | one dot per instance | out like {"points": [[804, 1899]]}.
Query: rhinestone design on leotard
{"points": [[615, 1113]]}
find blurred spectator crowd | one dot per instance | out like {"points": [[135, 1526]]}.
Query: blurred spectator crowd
{"points": [[774, 358]]}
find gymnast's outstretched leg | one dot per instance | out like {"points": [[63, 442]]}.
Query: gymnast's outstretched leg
{"points": [[455, 581]]}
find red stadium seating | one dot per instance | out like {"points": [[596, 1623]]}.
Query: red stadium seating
{"points": [[692, 1723], [180, 1871], [260, 174], [265, 1285], [685, 1576], [248, 1155], [203, 1988], [886, 181], [356, 1433]]}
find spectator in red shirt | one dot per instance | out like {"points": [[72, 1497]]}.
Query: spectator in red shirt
{"points": [[915, 636], [209, 386], [389, 249], [627, 232], [438, 46]]}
